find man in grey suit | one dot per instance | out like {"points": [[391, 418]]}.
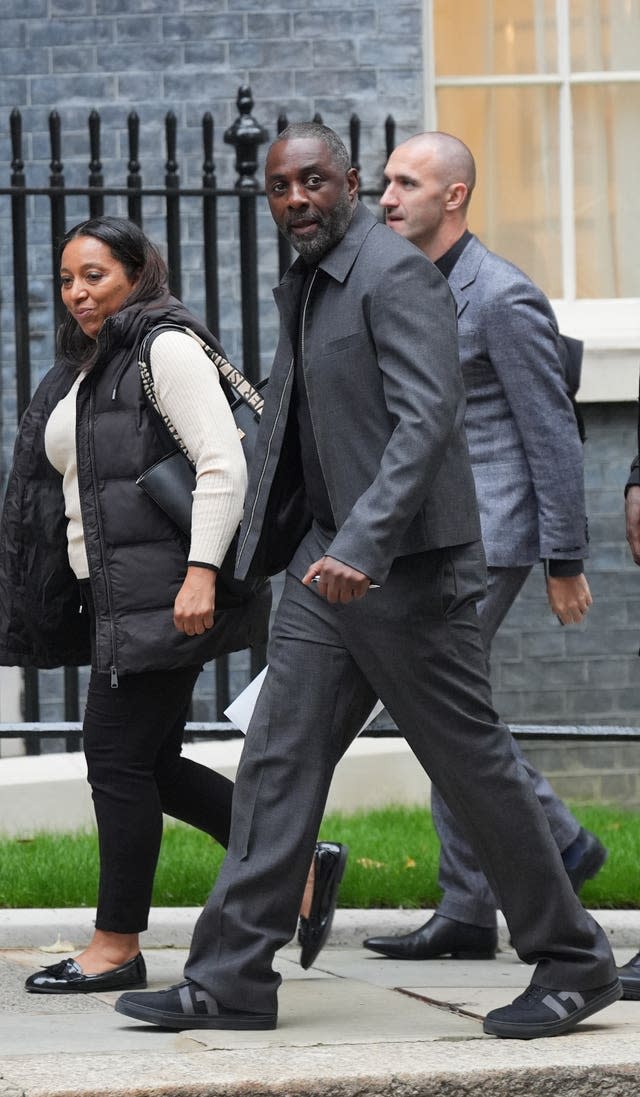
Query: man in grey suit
{"points": [[360, 452], [527, 462]]}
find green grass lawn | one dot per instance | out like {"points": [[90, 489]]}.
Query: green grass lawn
{"points": [[392, 863]]}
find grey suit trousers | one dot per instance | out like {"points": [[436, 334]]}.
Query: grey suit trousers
{"points": [[467, 896], [416, 644]]}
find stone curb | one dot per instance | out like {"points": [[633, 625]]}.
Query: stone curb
{"points": [[171, 927]]}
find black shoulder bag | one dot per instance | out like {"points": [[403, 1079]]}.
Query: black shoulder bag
{"points": [[171, 480]]}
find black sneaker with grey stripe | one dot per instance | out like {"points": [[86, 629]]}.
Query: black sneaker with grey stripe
{"points": [[543, 1012], [188, 1005]]}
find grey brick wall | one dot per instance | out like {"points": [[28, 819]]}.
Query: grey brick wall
{"points": [[299, 56], [188, 56], [607, 773], [588, 673]]}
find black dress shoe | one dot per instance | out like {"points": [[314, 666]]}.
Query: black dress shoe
{"points": [[584, 858], [439, 937], [67, 977], [189, 1005], [330, 859], [629, 976]]}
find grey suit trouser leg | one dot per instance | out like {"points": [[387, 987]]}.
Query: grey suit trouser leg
{"points": [[467, 896], [415, 643]]}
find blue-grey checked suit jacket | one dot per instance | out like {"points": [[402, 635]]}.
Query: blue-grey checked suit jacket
{"points": [[525, 448]]}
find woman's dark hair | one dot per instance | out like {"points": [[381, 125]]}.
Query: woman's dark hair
{"points": [[139, 257]]}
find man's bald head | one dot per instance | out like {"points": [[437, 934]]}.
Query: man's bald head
{"points": [[429, 183], [449, 156]]}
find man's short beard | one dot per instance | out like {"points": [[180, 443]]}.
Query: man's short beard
{"points": [[330, 232]]}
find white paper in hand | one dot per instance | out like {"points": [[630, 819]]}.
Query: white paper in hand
{"points": [[240, 711]]}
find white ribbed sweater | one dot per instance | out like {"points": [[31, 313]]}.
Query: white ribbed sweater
{"points": [[188, 391]]}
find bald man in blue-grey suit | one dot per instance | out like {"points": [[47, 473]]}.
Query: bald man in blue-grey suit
{"points": [[526, 455]]}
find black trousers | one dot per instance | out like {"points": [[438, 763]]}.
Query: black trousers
{"points": [[132, 742]]}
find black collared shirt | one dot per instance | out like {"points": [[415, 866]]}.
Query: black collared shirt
{"points": [[634, 475], [447, 262], [314, 481]]}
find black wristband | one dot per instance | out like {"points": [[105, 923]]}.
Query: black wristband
{"points": [[634, 475], [565, 569]]}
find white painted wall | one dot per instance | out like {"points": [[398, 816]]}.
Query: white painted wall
{"points": [[50, 791]]}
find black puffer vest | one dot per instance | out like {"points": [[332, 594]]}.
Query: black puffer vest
{"points": [[137, 557]]}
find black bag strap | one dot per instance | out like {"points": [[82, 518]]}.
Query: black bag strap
{"points": [[146, 376], [236, 380]]}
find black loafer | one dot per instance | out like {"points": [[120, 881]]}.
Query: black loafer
{"points": [[330, 859], [67, 977], [188, 1006], [439, 937], [629, 976], [543, 1012]]}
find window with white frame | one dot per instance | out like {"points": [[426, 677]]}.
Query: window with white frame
{"points": [[546, 93]]}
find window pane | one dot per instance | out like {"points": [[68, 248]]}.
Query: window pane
{"points": [[607, 182], [605, 36], [513, 135], [484, 37]]}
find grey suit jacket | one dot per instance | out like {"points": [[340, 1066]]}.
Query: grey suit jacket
{"points": [[525, 449], [387, 404]]}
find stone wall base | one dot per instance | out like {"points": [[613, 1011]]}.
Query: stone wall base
{"points": [[606, 773]]}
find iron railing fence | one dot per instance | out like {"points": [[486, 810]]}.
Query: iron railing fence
{"points": [[245, 135]]}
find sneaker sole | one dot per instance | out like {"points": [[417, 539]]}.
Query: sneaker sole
{"points": [[244, 1022], [630, 994], [525, 1031]]}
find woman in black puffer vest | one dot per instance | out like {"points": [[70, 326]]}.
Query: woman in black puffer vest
{"points": [[92, 569]]}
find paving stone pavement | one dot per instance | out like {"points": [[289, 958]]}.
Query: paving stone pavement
{"points": [[356, 1025]]}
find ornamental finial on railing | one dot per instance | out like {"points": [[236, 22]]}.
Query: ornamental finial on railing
{"points": [[246, 135]]}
